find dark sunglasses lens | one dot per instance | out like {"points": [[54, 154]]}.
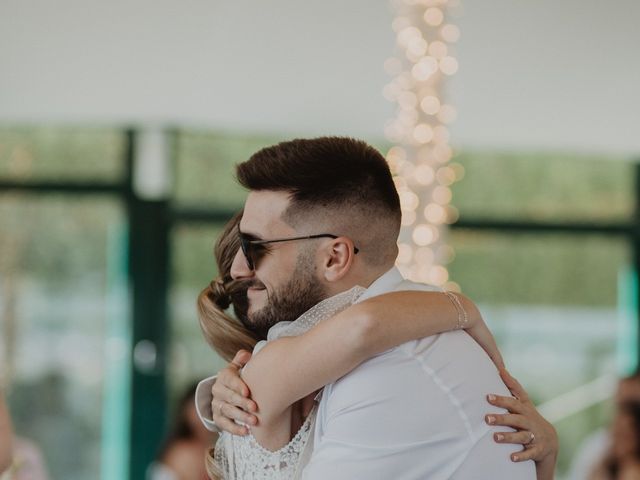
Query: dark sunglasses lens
{"points": [[246, 251], [254, 253]]}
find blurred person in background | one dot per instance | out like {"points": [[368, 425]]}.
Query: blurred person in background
{"points": [[182, 455], [599, 447], [6, 440], [622, 462], [20, 459], [28, 462]]}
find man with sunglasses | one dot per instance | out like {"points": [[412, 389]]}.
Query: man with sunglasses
{"points": [[322, 216]]}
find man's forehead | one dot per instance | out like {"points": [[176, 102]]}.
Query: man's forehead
{"points": [[263, 213]]}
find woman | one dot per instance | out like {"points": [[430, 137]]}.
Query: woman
{"points": [[623, 459], [346, 336]]}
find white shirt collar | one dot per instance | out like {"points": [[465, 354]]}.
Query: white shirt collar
{"points": [[387, 282]]}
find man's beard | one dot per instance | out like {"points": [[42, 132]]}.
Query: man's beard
{"points": [[287, 303]]}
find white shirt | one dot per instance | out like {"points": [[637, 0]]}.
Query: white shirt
{"points": [[414, 412], [203, 403]]}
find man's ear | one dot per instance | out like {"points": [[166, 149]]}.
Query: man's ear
{"points": [[338, 259]]}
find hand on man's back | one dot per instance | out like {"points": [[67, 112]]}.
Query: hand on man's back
{"points": [[231, 400]]}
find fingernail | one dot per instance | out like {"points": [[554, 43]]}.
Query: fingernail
{"points": [[499, 437], [514, 458], [491, 419], [491, 397]]}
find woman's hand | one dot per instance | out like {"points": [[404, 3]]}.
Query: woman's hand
{"points": [[534, 432], [231, 398]]}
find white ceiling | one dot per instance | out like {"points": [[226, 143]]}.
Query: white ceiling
{"points": [[543, 74]]}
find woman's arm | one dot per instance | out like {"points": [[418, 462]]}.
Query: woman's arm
{"points": [[336, 346], [430, 312], [5, 437]]}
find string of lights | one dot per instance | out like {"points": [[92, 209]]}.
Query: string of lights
{"points": [[420, 159]]}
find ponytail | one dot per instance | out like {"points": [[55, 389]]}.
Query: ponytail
{"points": [[225, 334]]}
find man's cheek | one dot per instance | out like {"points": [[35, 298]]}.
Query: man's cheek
{"points": [[256, 299]]}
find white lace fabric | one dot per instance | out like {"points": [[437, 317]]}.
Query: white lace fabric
{"points": [[242, 457]]}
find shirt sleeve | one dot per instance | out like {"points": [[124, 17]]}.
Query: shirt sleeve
{"points": [[203, 403]]}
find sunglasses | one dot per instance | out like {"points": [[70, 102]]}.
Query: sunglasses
{"points": [[254, 250]]}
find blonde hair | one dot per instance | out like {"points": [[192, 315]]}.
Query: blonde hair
{"points": [[224, 333], [211, 466]]}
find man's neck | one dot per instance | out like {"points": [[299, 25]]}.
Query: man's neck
{"points": [[364, 278]]}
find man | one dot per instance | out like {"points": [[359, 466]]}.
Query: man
{"points": [[323, 216]]}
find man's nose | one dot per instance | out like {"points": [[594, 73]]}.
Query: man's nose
{"points": [[240, 268]]}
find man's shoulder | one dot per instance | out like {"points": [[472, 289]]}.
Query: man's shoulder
{"points": [[447, 361], [410, 285], [393, 281], [404, 284]]}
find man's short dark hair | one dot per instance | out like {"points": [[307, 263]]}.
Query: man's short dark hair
{"points": [[340, 174]]}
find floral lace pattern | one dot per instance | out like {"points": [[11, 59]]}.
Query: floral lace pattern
{"points": [[242, 457]]}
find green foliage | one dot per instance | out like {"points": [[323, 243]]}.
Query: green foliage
{"points": [[56, 238], [53, 153], [544, 186], [193, 263], [539, 269], [205, 168]]}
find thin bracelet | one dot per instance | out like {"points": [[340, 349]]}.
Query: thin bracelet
{"points": [[463, 318]]}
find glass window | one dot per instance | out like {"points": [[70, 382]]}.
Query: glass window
{"points": [[193, 267], [544, 187], [556, 305], [205, 169], [61, 154], [63, 341]]}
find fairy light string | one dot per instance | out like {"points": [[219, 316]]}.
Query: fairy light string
{"points": [[421, 156]]}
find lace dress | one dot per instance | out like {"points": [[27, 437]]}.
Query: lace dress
{"points": [[242, 457]]}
